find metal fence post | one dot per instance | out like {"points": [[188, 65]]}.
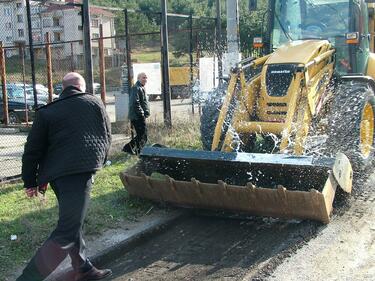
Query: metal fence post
{"points": [[71, 57], [32, 60], [191, 60], [165, 67], [218, 42], [4, 85], [49, 66], [87, 47], [102, 64], [22, 55], [198, 72], [128, 51]]}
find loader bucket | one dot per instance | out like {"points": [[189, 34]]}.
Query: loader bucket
{"points": [[275, 185]]}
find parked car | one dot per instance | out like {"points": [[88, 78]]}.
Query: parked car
{"points": [[57, 88], [18, 90], [42, 95], [17, 109], [41, 87], [97, 88]]}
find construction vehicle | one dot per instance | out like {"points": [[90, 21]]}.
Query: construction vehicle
{"points": [[317, 80], [180, 81]]}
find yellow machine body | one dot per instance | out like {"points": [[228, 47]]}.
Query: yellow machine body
{"points": [[284, 96], [289, 114]]}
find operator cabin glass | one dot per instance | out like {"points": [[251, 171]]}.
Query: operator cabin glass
{"points": [[313, 19]]}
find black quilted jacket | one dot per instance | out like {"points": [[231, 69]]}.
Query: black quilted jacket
{"points": [[70, 135], [138, 104]]}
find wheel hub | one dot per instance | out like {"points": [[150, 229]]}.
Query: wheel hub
{"points": [[367, 130]]}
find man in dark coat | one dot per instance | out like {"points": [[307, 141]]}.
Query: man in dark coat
{"points": [[68, 142], [138, 112]]}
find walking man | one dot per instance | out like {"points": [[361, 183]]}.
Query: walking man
{"points": [[138, 112], [67, 144]]}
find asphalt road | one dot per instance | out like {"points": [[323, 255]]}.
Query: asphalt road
{"points": [[179, 108], [218, 248], [11, 149]]}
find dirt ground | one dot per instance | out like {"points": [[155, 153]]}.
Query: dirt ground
{"points": [[218, 248], [201, 247], [343, 250]]}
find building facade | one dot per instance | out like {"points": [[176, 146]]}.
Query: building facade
{"points": [[62, 20]]}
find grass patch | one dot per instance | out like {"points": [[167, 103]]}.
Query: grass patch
{"points": [[184, 133], [32, 220], [155, 56]]}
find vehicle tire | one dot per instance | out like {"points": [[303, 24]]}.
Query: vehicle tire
{"points": [[174, 92], [152, 97], [351, 126], [13, 118], [210, 116], [185, 92]]}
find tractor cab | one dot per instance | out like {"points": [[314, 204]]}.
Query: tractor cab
{"points": [[344, 23]]}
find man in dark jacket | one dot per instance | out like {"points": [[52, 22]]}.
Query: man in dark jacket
{"points": [[138, 112], [67, 144]]}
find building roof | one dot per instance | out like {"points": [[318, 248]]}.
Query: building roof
{"points": [[93, 10], [100, 11]]}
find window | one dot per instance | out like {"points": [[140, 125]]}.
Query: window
{"points": [[95, 23], [8, 25], [21, 33], [57, 36], [35, 10], [95, 35], [37, 37], [56, 21], [9, 39], [35, 23], [7, 12], [80, 27], [19, 18], [47, 23], [18, 5]]}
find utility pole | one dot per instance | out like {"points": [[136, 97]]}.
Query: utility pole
{"points": [[232, 33], [128, 52], [165, 59], [87, 47], [31, 46], [218, 42]]}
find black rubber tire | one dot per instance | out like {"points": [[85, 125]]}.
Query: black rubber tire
{"points": [[345, 121], [14, 118], [210, 116], [185, 92], [152, 97], [174, 92]]}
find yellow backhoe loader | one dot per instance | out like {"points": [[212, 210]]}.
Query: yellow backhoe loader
{"points": [[317, 83]]}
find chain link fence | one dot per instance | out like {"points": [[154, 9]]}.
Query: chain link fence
{"points": [[57, 34]]}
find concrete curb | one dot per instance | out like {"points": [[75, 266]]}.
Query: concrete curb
{"points": [[115, 251]]}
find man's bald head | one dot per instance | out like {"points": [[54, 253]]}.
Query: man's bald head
{"points": [[74, 79], [142, 78]]}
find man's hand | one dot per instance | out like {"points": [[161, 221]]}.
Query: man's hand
{"points": [[31, 192], [43, 188]]}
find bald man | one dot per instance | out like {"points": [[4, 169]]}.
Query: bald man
{"points": [[139, 110], [68, 142]]}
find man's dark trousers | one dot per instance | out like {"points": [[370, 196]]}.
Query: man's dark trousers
{"points": [[73, 195], [137, 143]]}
